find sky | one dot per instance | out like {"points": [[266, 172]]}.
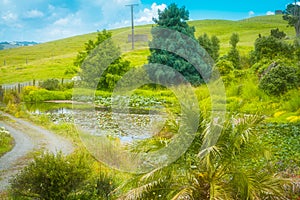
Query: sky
{"points": [[47, 20]]}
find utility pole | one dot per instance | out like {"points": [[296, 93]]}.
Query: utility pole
{"points": [[132, 23]]}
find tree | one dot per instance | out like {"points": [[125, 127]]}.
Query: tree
{"points": [[101, 63], [233, 54], [211, 45], [270, 47], [277, 33], [279, 80], [180, 39], [292, 16]]}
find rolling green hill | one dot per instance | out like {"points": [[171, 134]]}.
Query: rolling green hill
{"points": [[51, 59]]}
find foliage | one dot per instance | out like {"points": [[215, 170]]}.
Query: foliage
{"points": [[101, 63], [224, 66], [292, 16], [285, 143], [234, 168], [34, 94], [50, 84], [12, 97], [279, 80], [163, 47], [270, 47], [98, 187], [211, 45], [71, 70], [297, 47], [277, 33], [233, 54], [6, 141], [51, 176]]}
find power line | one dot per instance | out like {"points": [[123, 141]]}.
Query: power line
{"points": [[132, 23]]}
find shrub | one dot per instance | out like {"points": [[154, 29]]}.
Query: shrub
{"points": [[98, 187], [11, 97], [6, 141], [39, 95], [224, 66], [277, 33], [51, 177], [270, 48], [50, 84], [279, 80]]}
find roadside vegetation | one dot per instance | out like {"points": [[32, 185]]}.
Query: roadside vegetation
{"points": [[6, 141], [257, 153]]}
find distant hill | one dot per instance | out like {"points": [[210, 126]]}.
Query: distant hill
{"points": [[52, 59], [11, 45]]}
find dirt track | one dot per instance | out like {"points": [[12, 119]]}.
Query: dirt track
{"points": [[28, 137]]}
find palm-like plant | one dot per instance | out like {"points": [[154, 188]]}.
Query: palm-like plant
{"points": [[235, 167]]}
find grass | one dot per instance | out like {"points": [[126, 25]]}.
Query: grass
{"points": [[51, 59], [6, 141]]}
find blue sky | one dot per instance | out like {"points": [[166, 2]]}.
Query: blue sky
{"points": [[46, 20]]}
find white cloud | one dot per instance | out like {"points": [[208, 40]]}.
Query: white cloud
{"points": [[34, 14], [297, 3], [251, 13], [270, 13], [148, 14], [61, 22], [9, 16]]}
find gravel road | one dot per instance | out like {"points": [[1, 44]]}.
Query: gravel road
{"points": [[28, 137]]}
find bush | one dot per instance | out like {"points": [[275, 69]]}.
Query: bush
{"points": [[6, 141], [224, 66], [270, 48], [98, 187], [278, 34], [50, 84], [279, 80], [33, 94], [51, 177]]}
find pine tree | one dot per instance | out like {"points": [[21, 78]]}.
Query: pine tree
{"points": [[173, 37]]}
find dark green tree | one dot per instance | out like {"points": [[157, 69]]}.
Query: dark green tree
{"points": [[211, 45], [101, 63], [172, 44], [233, 54], [270, 47], [215, 47], [292, 16], [277, 33], [279, 80]]}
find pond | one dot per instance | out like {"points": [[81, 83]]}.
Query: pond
{"points": [[138, 124]]}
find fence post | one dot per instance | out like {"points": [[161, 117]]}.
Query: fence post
{"points": [[19, 88], [1, 94]]}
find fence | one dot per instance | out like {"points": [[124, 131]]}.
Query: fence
{"points": [[19, 86]]}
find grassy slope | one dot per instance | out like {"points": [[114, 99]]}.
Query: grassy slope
{"points": [[51, 59]]}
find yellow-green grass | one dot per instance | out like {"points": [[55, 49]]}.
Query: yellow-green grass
{"points": [[6, 141], [51, 59]]}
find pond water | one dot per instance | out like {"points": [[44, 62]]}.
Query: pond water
{"points": [[136, 125]]}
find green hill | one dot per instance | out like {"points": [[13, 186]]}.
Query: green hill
{"points": [[51, 59]]}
